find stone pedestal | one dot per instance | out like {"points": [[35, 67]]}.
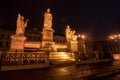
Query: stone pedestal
{"points": [[47, 38], [72, 46], [47, 34], [17, 43], [48, 45]]}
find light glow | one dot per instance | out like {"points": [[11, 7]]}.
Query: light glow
{"points": [[81, 36], [59, 55], [114, 37]]}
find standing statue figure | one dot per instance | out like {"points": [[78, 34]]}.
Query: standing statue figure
{"points": [[48, 19], [67, 32], [21, 25]]}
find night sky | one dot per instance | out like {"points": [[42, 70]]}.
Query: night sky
{"points": [[96, 18]]}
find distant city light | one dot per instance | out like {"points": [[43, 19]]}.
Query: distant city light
{"points": [[78, 35], [114, 37], [111, 37], [81, 36]]}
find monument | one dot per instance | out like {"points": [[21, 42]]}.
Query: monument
{"points": [[47, 32], [21, 25], [71, 39], [18, 40], [25, 52]]}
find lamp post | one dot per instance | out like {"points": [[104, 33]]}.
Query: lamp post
{"points": [[114, 43], [81, 46], [81, 43]]}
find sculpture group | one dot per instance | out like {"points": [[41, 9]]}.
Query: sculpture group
{"points": [[70, 35], [19, 41]]}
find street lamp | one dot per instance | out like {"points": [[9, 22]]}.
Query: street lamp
{"points": [[114, 43], [81, 36], [81, 43]]}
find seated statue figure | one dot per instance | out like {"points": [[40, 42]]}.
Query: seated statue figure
{"points": [[70, 35], [73, 36]]}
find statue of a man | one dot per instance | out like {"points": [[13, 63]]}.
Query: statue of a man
{"points": [[21, 25], [67, 32], [48, 19]]}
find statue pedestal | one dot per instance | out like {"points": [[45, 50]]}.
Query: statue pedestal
{"points": [[47, 38], [17, 43], [48, 45], [47, 34], [72, 46]]}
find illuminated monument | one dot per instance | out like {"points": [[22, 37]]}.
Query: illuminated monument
{"points": [[72, 44], [18, 40], [47, 32]]}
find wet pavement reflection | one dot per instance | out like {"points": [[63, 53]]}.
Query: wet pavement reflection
{"points": [[115, 76], [71, 72]]}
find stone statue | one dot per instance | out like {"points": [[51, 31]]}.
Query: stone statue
{"points": [[70, 35], [73, 36], [21, 25], [48, 19], [67, 32]]}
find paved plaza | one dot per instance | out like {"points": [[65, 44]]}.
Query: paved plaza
{"points": [[68, 72]]}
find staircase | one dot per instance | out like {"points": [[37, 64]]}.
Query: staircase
{"points": [[59, 55], [60, 58]]}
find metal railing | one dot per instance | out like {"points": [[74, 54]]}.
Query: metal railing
{"points": [[92, 56], [24, 58]]}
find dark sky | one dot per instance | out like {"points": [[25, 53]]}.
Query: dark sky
{"points": [[95, 18]]}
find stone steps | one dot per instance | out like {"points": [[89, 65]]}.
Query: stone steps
{"points": [[59, 55]]}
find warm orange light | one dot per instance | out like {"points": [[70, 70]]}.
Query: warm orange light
{"points": [[78, 35], [64, 55], [111, 37], [115, 36], [82, 36]]}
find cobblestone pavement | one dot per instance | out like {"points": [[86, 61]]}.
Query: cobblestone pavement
{"points": [[69, 72]]}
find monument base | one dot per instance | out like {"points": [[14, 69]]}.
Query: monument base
{"points": [[48, 45], [47, 39], [72, 46], [47, 34], [17, 43]]}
